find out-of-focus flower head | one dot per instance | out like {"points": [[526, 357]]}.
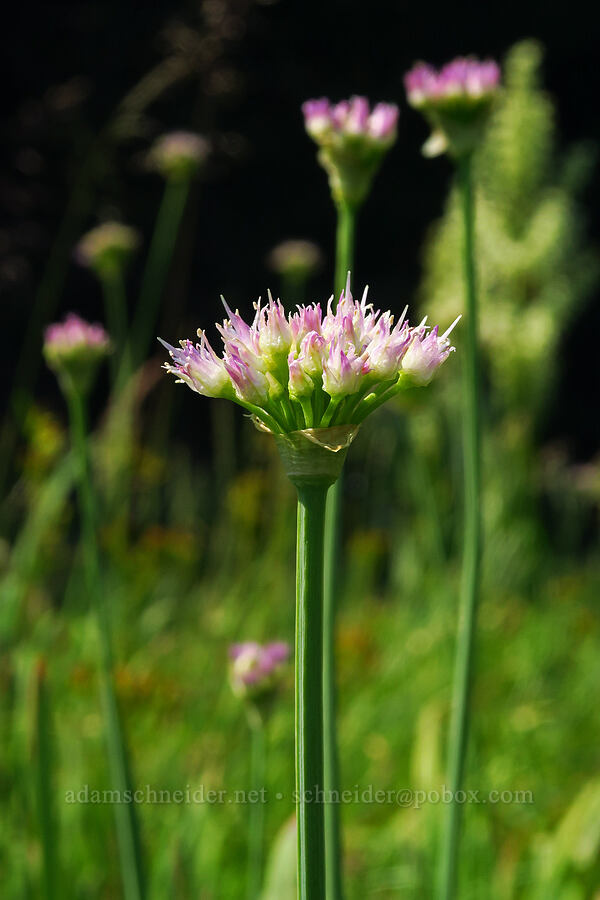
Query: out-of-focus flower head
{"points": [[310, 369], [74, 348], [352, 141], [296, 259], [455, 100], [256, 669], [179, 154], [107, 248]]}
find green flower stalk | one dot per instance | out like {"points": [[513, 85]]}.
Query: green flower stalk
{"points": [[107, 250], [352, 143], [456, 101], [73, 349], [255, 676], [310, 379], [177, 157]]}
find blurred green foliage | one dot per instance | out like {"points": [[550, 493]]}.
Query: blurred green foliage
{"points": [[196, 558]]}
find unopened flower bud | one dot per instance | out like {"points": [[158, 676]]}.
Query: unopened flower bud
{"points": [[179, 155], [107, 248], [295, 259]]}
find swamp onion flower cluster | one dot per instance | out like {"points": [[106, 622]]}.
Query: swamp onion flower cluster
{"points": [[455, 100], [311, 368], [256, 669], [352, 141], [178, 155]]}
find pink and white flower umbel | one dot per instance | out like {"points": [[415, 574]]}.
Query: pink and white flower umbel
{"points": [[179, 154], [75, 347], [307, 369], [456, 101], [352, 141], [256, 669]]}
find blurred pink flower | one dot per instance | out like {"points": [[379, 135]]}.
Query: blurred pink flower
{"points": [[350, 118], [464, 79], [352, 141], [256, 668], [456, 100], [75, 347]]}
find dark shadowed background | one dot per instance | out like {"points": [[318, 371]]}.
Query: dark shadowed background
{"points": [[244, 69]]}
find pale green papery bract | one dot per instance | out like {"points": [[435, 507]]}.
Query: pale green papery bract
{"points": [[309, 369]]}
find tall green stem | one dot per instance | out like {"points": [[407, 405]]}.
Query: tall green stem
{"points": [[344, 245], [459, 725], [115, 303], [309, 692], [157, 267], [344, 260], [256, 822], [125, 818]]}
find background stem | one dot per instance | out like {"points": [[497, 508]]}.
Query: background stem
{"points": [[309, 693], [256, 821], [344, 260], [125, 817], [157, 267], [344, 246], [115, 304], [459, 724]]}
